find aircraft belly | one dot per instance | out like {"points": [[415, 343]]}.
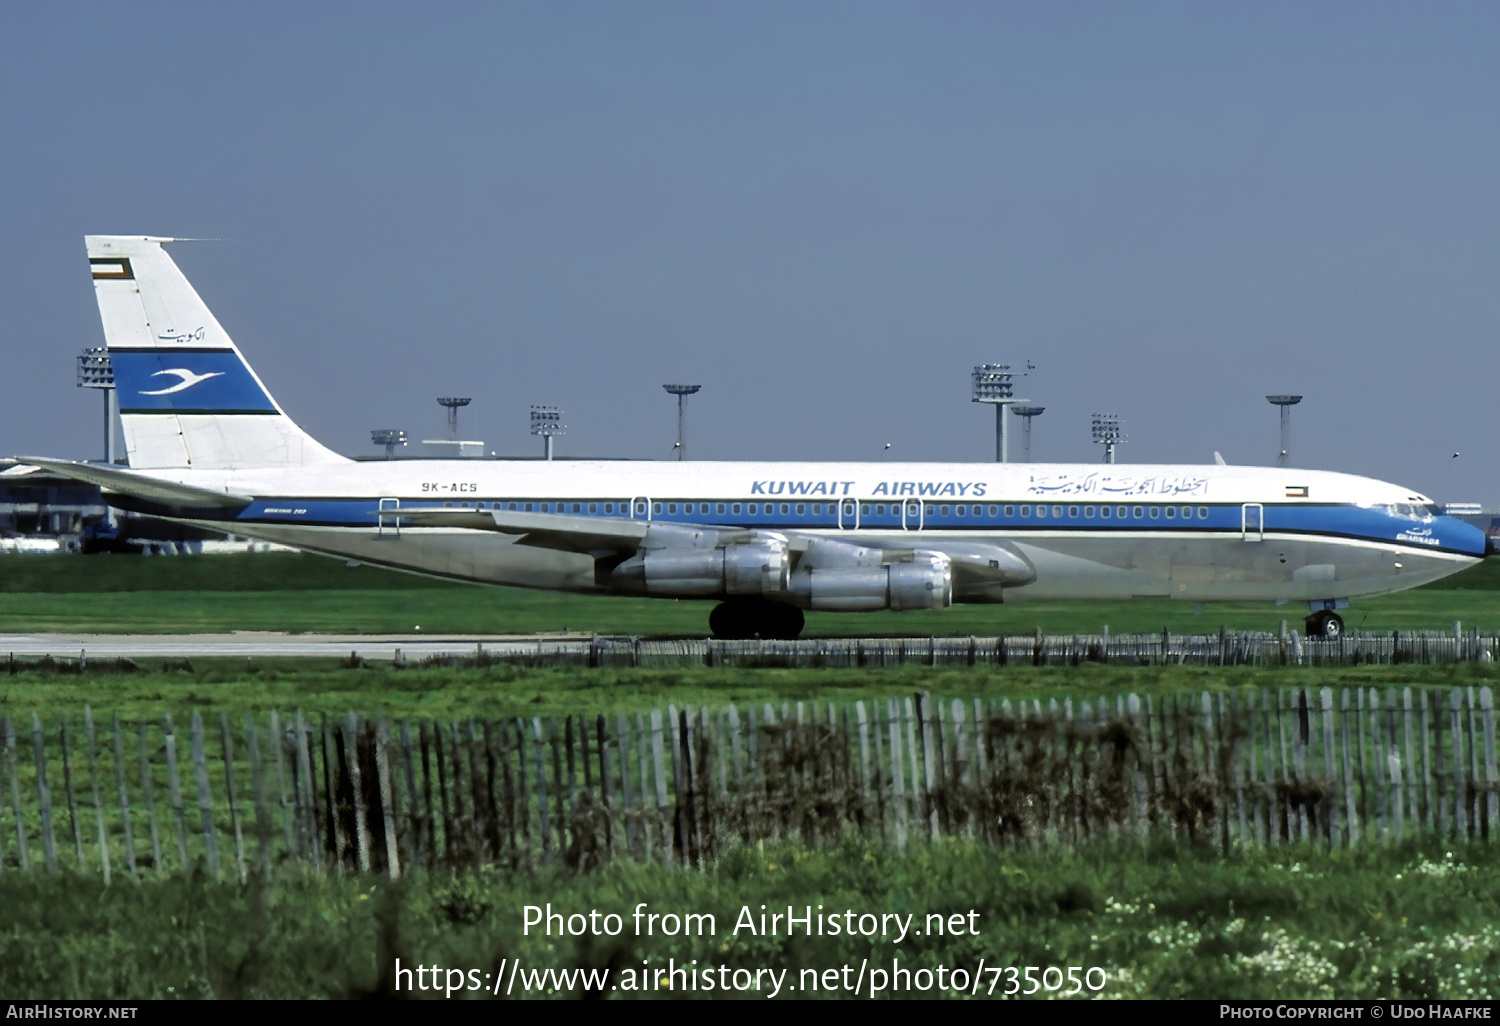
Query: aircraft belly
{"points": [[1224, 569], [484, 558]]}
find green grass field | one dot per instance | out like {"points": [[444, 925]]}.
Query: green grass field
{"points": [[1163, 921], [315, 686], [294, 592]]}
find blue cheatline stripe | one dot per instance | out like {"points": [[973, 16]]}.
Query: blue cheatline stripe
{"points": [[186, 381], [1438, 534]]}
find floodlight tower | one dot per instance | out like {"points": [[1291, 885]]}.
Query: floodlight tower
{"points": [[95, 371], [1286, 402], [453, 406], [992, 383], [547, 422], [681, 392], [1107, 433], [390, 438], [1026, 413]]}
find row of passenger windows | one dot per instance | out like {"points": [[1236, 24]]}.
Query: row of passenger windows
{"points": [[849, 509]]}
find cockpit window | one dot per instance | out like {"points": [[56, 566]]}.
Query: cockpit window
{"points": [[1432, 509], [1401, 509]]}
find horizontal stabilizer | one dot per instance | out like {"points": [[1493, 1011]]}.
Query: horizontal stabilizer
{"points": [[126, 482]]}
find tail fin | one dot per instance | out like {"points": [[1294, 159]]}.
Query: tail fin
{"points": [[187, 396]]}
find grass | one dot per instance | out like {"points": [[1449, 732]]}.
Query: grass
{"points": [[294, 592], [1161, 921], [498, 691]]}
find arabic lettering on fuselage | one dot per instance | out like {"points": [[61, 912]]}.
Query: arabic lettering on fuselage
{"points": [[1100, 483]]}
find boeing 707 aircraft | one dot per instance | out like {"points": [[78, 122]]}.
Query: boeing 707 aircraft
{"points": [[209, 446]]}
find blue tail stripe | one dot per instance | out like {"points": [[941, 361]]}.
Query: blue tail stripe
{"points": [[181, 380]]}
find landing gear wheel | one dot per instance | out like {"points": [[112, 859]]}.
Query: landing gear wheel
{"points": [[1325, 624], [781, 621], [739, 619], [732, 621]]}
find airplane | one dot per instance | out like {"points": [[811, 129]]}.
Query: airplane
{"points": [[208, 445]]}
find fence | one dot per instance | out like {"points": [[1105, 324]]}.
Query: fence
{"points": [[1234, 769]]}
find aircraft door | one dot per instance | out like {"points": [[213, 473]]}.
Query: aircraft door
{"points": [[1252, 522], [912, 516], [640, 507], [386, 516], [848, 515]]}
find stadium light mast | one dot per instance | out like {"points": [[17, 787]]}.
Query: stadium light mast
{"points": [[546, 421], [1286, 402], [681, 392], [1107, 433], [95, 371], [1026, 413], [390, 438], [993, 383], [453, 406]]}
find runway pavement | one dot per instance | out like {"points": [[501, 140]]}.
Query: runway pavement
{"points": [[265, 644]]}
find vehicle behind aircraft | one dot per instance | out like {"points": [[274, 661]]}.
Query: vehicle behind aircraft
{"points": [[208, 445]]}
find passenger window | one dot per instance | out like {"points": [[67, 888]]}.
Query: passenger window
{"points": [[1041, 511], [593, 507], [928, 511], [864, 509], [754, 509], [785, 508], [801, 509], [512, 507], [735, 509], [1155, 512], [1057, 511], [719, 508], [656, 507], [944, 511], [1088, 512], [1202, 512], [527, 507], [1138, 512], [961, 511], [1104, 512], [979, 511], [1025, 511], [1171, 512], [1010, 511], [609, 507], [1072, 511]]}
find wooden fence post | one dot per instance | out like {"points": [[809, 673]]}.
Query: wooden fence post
{"points": [[258, 784], [234, 809], [387, 798], [44, 794], [174, 791], [148, 794], [205, 808], [9, 732], [73, 818]]}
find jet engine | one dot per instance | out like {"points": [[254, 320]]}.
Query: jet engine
{"points": [[759, 565], [839, 577]]}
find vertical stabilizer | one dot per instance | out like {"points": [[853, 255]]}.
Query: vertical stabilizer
{"points": [[187, 396]]}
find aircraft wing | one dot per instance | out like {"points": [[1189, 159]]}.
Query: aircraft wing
{"points": [[593, 535], [141, 486]]}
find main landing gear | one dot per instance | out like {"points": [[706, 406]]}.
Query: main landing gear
{"points": [[740, 618], [1325, 624]]}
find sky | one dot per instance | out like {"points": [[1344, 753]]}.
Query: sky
{"points": [[824, 213]]}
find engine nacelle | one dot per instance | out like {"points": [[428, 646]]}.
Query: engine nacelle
{"points": [[925, 582], [758, 567]]}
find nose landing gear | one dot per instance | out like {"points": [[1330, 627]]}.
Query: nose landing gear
{"points": [[742, 618], [1325, 624]]}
